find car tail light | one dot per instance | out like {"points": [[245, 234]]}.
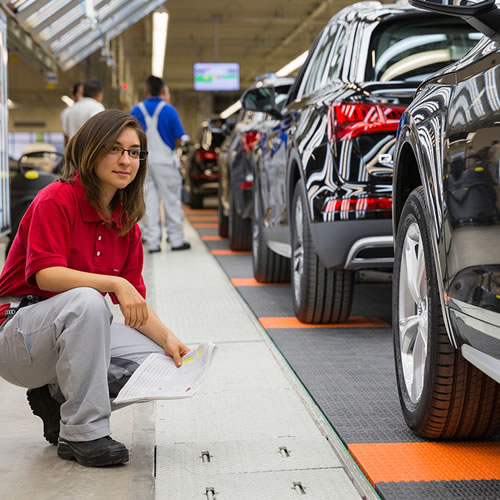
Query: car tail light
{"points": [[246, 185], [250, 139], [202, 155], [358, 205], [348, 120]]}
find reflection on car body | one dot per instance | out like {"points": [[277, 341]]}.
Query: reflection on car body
{"points": [[446, 216], [236, 166], [323, 190]]}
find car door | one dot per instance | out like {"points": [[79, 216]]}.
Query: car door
{"points": [[472, 165]]}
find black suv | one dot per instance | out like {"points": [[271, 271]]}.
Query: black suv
{"points": [[201, 171], [323, 187], [446, 287], [236, 165]]}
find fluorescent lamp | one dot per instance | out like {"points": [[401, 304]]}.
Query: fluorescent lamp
{"points": [[11, 104], [232, 109], [160, 26], [292, 65], [90, 9], [67, 100]]}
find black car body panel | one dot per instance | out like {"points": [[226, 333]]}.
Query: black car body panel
{"points": [[341, 174], [201, 171], [451, 134], [236, 167]]}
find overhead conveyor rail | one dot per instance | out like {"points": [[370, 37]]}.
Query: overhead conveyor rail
{"points": [[70, 30]]}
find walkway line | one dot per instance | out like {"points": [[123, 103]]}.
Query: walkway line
{"points": [[213, 238], [229, 252], [205, 225], [253, 282], [293, 322], [202, 218]]}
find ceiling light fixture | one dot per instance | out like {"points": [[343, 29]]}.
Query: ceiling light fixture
{"points": [[67, 100], [232, 109], [160, 27], [284, 71], [293, 65]]}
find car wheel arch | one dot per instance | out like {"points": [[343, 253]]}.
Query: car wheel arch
{"points": [[407, 177], [294, 177]]}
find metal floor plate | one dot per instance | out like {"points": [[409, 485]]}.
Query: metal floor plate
{"points": [[324, 484]]}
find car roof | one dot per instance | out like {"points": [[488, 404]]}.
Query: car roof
{"points": [[371, 11], [272, 81]]}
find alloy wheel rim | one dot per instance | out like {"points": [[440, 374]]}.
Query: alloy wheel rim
{"points": [[298, 250], [413, 318]]}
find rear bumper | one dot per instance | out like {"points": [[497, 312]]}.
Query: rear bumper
{"points": [[205, 186], [354, 244]]}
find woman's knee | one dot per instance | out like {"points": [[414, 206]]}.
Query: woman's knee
{"points": [[86, 300]]}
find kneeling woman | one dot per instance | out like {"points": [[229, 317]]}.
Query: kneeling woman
{"points": [[78, 241]]}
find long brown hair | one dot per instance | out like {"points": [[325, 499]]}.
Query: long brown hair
{"points": [[89, 145]]}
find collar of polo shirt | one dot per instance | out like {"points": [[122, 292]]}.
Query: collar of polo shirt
{"points": [[89, 213]]}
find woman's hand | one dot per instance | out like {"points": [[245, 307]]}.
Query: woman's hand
{"points": [[175, 348], [133, 306]]}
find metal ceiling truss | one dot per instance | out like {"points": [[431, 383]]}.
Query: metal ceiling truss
{"points": [[69, 32]]}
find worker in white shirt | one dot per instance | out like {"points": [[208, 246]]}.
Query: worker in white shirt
{"points": [[89, 105], [77, 95]]}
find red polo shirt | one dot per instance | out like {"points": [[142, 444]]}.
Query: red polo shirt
{"points": [[61, 228]]}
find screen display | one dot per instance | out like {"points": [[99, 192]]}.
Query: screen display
{"points": [[216, 76]]}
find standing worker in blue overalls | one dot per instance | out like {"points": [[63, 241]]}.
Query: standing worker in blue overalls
{"points": [[163, 128]]}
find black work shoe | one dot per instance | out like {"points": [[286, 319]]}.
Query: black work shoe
{"points": [[97, 453], [184, 246], [46, 407], [154, 250]]}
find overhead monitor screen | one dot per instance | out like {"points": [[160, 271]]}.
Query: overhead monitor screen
{"points": [[216, 76]]}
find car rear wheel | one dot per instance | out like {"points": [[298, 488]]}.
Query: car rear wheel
{"points": [[442, 395], [320, 295], [268, 266], [223, 222], [240, 230]]}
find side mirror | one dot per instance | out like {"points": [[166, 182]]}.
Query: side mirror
{"points": [[260, 99], [481, 14]]}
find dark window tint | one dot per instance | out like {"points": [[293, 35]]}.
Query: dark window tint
{"points": [[217, 140], [281, 96], [411, 48]]}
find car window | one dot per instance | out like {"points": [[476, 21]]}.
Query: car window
{"points": [[310, 65], [411, 48], [281, 96], [337, 55], [318, 65]]}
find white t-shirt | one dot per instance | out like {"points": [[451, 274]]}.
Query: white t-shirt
{"points": [[73, 118]]}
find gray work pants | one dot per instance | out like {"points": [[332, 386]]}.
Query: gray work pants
{"points": [[70, 343], [163, 182]]}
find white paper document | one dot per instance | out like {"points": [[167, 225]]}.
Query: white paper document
{"points": [[159, 378]]}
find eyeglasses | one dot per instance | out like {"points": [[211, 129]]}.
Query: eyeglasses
{"points": [[134, 154]]}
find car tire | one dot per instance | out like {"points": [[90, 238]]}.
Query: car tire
{"points": [[320, 295], [442, 395], [268, 266], [222, 219], [195, 200], [240, 230]]}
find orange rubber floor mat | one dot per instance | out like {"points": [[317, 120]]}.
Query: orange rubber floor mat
{"points": [[427, 461]]}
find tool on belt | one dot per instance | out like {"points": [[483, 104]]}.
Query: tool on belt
{"points": [[27, 300]]}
